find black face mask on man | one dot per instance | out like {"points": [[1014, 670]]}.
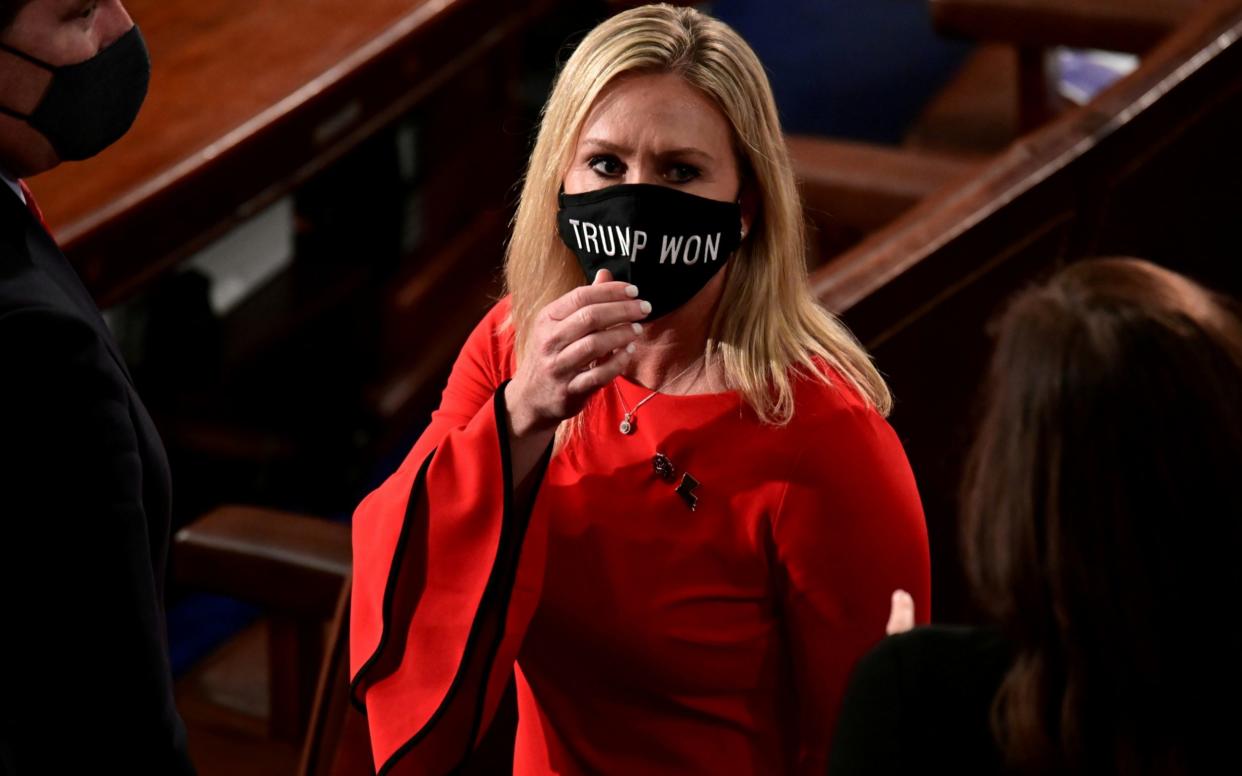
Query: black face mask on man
{"points": [[666, 242], [88, 106]]}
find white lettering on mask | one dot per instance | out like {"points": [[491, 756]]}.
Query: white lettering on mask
{"points": [[589, 232], [670, 247], [711, 248], [697, 242], [623, 240], [606, 240], [689, 249], [640, 242]]}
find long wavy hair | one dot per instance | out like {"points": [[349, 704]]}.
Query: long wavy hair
{"points": [[768, 320], [1103, 521]]}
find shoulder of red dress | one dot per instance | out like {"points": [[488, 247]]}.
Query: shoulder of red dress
{"points": [[824, 391], [500, 311], [829, 412]]}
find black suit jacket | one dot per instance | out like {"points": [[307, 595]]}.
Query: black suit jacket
{"points": [[85, 499], [920, 702]]}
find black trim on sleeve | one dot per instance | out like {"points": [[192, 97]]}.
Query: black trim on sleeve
{"points": [[390, 587], [496, 593], [507, 566]]}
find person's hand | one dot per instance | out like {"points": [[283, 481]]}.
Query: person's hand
{"points": [[901, 618], [579, 344]]}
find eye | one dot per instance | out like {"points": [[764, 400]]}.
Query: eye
{"points": [[683, 173], [606, 165], [88, 10]]}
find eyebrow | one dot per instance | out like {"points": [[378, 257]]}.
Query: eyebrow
{"points": [[616, 148]]}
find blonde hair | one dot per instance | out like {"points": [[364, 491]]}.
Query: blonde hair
{"points": [[768, 320]]}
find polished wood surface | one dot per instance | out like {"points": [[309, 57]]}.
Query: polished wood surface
{"points": [[862, 186], [276, 559], [1118, 25], [397, 129], [247, 99], [1058, 150], [296, 569], [1149, 168], [225, 701], [977, 111]]}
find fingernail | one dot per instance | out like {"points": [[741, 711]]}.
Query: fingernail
{"points": [[631, 291], [630, 348], [638, 328], [597, 274], [645, 306]]}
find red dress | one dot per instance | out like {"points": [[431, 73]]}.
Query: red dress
{"points": [[648, 637]]}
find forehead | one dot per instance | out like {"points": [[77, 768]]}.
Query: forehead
{"points": [[661, 110]]}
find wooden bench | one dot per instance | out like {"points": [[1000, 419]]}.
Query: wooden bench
{"points": [[251, 104], [1151, 167], [1002, 92]]}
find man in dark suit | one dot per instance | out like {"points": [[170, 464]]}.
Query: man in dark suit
{"points": [[85, 685]]}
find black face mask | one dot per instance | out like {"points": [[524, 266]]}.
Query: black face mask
{"points": [[88, 106], [666, 242]]}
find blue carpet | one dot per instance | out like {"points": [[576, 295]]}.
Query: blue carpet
{"points": [[199, 623]]}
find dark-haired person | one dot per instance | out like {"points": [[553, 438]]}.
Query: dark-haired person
{"points": [[1102, 529], [85, 685]]}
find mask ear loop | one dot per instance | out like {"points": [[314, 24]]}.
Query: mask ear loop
{"points": [[32, 60], [39, 63]]}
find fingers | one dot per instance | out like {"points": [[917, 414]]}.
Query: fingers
{"points": [[598, 293], [603, 373], [901, 617], [595, 318], [594, 346]]}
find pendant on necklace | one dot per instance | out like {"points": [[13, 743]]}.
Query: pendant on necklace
{"points": [[627, 424]]}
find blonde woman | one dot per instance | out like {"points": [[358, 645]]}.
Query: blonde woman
{"points": [[667, 499]]}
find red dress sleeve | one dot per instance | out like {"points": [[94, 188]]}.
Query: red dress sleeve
{"points": [[447, 573], [848, 532]]}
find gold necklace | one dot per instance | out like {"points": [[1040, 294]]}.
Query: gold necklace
{"points": [[628, 423]]}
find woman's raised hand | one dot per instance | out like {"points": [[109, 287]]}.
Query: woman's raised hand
{"points": [[579, 343]]}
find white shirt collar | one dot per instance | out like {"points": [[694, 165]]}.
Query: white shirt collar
{"points": [[12, 184]]}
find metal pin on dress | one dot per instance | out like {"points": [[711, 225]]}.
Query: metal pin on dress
{"points": [[663, 466]]}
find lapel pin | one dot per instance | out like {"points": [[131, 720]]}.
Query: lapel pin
{"points": [[663, 467], [685, 489]]}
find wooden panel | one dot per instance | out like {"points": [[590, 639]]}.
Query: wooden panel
{"points": [[849, 189], [248, 99], [977, 111], [286, 562], [1117, 25], [1150, 168]]}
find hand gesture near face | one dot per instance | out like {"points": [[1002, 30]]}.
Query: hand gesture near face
{"points": [[579, 344]]}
